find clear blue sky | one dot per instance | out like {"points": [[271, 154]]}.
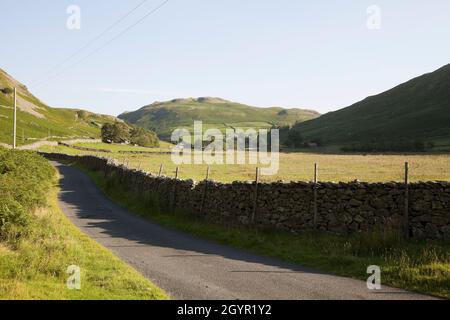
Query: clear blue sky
{"points": [[315, 54]]}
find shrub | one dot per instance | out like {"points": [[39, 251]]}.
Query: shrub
{"points": [[7, 90], [294, 139], [12, 215], [82, 115], [25, 178], [144, 138], [402, 145]]}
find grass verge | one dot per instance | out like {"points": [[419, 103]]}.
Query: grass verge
{"points": [[421, 266], [33, 262], [35, 267]]}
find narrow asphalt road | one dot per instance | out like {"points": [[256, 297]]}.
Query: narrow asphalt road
{"points": [[191, 268]]}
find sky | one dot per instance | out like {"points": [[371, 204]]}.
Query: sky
{"points": [[322, 55]]}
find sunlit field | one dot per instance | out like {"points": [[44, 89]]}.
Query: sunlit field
{"points": [[293, 166], [164, 146]]}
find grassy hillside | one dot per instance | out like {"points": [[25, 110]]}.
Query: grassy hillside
{"points": [[164, 117], [417, 109], [36, 120]]}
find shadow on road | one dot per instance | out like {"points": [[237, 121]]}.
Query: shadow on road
{"points": [[80, 193]]}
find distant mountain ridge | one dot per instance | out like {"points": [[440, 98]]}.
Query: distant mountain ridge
{"points": [[36, 120], [165, 117], [418, 109]]}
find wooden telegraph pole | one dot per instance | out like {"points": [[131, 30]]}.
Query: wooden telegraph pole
{"points": [[15, 119]]}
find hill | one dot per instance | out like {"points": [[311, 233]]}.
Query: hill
{"points": [[36, 120], [165, 117], [418, 110]]}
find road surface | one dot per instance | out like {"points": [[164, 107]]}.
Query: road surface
{"points": [[188, 267]]}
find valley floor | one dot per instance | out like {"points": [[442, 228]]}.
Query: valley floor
{"points": [[297, 166]]}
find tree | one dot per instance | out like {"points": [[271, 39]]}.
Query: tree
{"points": [[115, 133], [107, 133], [120, 132]]}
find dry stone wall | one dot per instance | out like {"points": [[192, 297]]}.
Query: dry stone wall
{"points": [[342, 208], [73, 146]]}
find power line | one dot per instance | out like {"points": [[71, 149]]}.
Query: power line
{"points": [[88, 44], [105, 44]]}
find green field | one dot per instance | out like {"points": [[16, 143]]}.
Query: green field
{"points": [[294, 166], [164, 147]]}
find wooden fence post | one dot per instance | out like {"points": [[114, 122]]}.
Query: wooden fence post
{"points": [[406, 217], [161, 167], [175, 189], [204, 192], [255, 204], [316, 171]]}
